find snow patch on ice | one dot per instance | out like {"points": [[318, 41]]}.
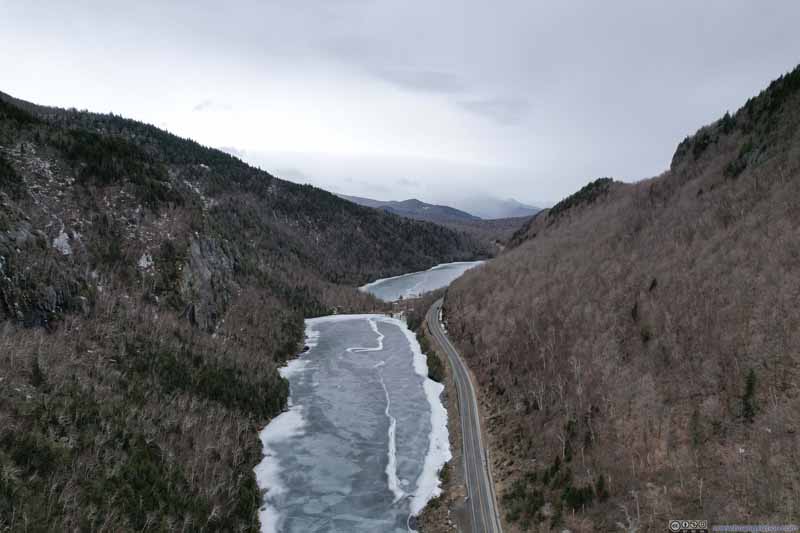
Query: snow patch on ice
{"points": [[293, 367], [311, 322], [391, 465], [428, 483], [312, 335], [285, 426]]}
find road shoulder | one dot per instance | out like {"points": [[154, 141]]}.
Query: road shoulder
{"points": [[447, 512]]}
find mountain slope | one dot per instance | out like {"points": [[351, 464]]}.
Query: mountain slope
{"points": [[638, 349], [416, 209], [149, 289]]}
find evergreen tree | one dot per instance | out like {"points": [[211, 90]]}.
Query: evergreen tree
{"points": [[748, 400], [38, 377]]}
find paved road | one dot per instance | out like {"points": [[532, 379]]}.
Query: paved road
{"points": [[482, 502]]}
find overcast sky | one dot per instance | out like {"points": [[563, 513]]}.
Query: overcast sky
{"points": [[438, 100]]}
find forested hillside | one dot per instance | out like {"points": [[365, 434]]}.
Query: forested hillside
{"points": [[639, 350], [149, 289]]}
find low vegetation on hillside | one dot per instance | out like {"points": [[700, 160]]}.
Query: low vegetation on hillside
{"points": [[415, 310], [496, 233], [149, 289], [639, 347]]}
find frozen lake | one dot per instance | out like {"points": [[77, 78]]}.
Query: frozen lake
{"points": [[365, 435], [416, 283]]}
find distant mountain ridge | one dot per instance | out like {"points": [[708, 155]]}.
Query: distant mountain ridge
{"points": [[493, 233], [416, 209], [489, 208]]}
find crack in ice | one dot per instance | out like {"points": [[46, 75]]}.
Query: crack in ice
{"points": [[391, 466], [374, 325]]}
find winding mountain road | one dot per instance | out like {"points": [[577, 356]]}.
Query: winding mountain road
{"points": [[481, 501]]}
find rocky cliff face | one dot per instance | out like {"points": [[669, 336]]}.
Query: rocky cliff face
{"points": [[638, 348], [149, 289]]}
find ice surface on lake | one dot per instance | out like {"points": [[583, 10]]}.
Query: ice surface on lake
{"points": [[366, 434], [417, 283]]}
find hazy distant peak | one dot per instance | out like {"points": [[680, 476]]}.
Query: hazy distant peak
{"points": [[488, 207], [413, 202]]}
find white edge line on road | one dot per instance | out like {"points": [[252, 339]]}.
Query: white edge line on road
{"points": [[484, 453]]}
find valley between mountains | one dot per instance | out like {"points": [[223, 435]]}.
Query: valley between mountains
{"points": [[634, 347]]}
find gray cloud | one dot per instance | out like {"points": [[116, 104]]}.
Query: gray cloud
{"points": [[370, 188], [529, 101], [211, 105], [407, 183], [293, 174], [422, 80], [504, 110], [381, 60]]}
